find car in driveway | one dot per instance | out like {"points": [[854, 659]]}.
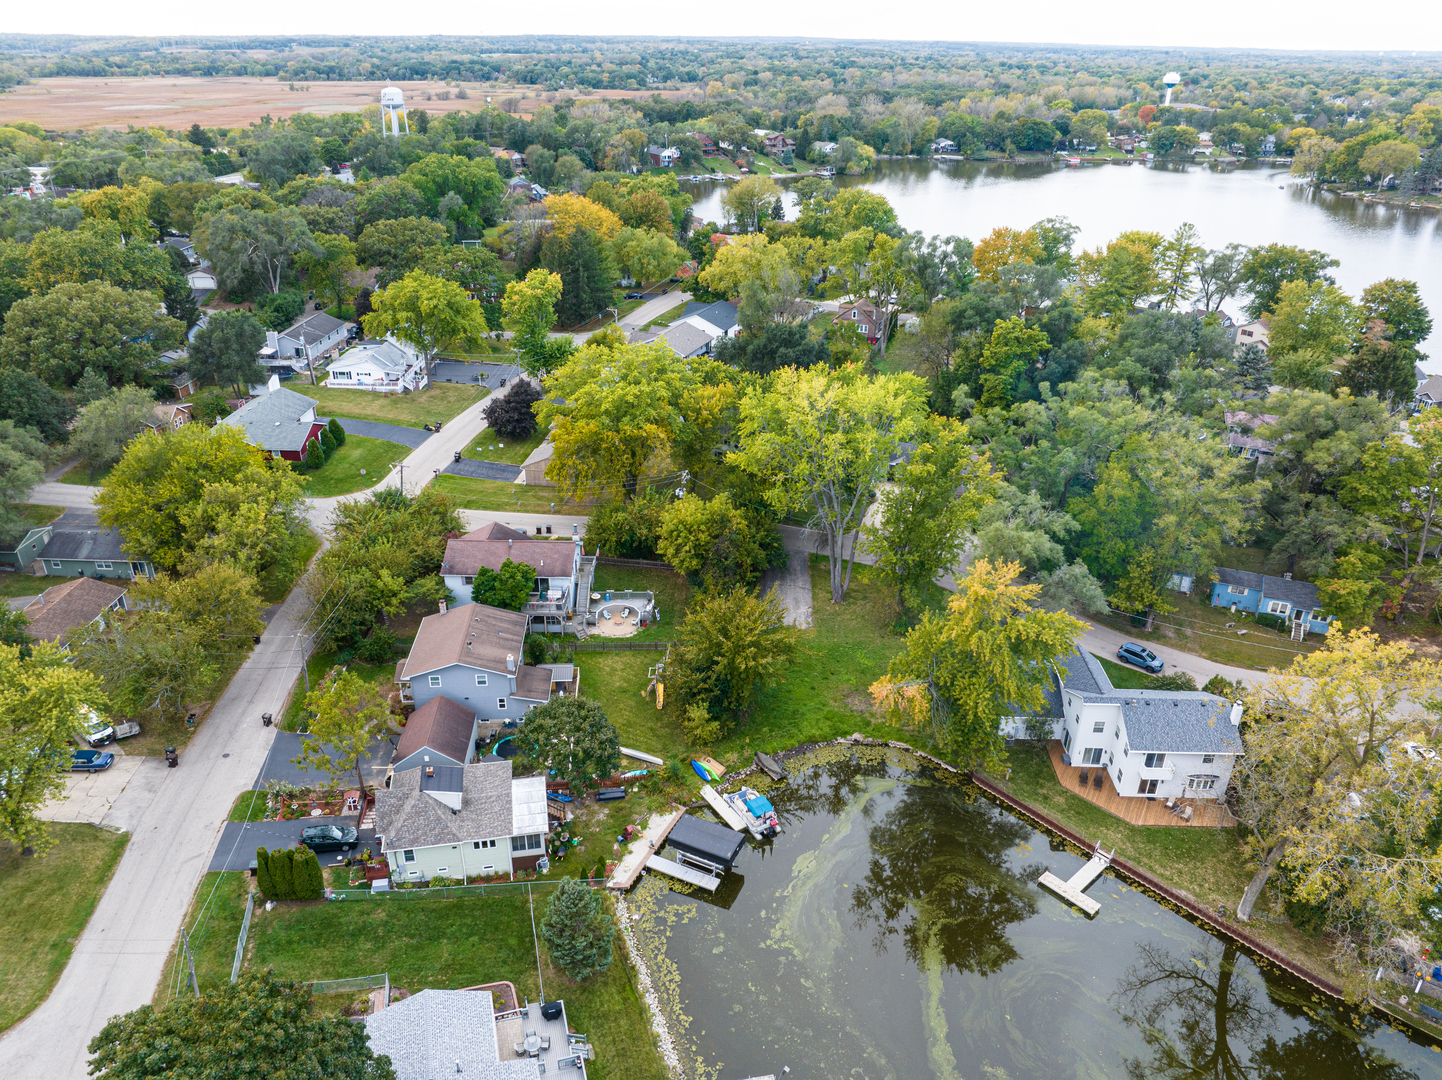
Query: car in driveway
{"points": [[329, 837], [634, 296], [90, 761], [1140, 656]]}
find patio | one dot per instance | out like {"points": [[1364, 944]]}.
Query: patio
{"points": [[550, 1042], [621, 614], [1137, 810]]}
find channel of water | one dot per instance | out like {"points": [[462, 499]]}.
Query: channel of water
{"points": [[895, 930], [1251, 204]]}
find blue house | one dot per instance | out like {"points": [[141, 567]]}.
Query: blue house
{"points": [[1295, 601]]}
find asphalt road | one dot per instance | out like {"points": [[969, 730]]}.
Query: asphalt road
{"points": [[492, 376], [239, 839], [406, 436]]}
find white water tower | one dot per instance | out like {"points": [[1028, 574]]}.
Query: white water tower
{"points": [[393, 112], [1171, 79]]}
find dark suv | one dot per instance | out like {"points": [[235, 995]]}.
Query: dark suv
{"points": [[329, 838], [1132, 653]]}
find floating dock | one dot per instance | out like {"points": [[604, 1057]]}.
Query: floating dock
{"points": [[650, 759], [1073, 890], [688, 874], [724, 810]]}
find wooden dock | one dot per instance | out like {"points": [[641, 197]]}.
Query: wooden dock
{"points": [[1073, 890], [688, 874], [650, 759], [642, 848], [724, 810]]}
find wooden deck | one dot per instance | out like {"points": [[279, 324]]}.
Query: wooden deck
{"points": [[1138, 810]]}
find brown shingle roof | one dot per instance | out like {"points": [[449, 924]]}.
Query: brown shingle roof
{"points": [[441, 725], [408, 817], [473, 634], [493, 544], [74, 603], [534, 683]]}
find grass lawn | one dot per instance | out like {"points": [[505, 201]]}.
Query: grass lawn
{"points": [[1197, 627], [213, 923], [249, 806], [321, 662], [441, 401], [666, 318], [276, 583], [446, 944], [341, 475], [1124, 677], [473, 494], [672, 595], [720, 164], [45, 903], [39, 514], [14, 583], [492, 447], [345, 311], [82, 475]]}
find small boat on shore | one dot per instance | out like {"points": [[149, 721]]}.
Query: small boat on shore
{"points": [[755, 811], [770, 766]]}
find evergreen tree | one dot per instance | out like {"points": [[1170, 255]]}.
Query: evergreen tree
{"points": [[584, 265], [336, 431], [327, 443], [578, 930], [282, 873], [1254, 369], [309, 882], [314, 455], [262, 873]]}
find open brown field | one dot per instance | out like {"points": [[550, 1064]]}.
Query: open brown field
{"points": [[66, 104]]}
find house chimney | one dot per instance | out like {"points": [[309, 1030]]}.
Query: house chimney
{"points": [[443, 607], [430, 770], [510, 661], [1236, 713]]}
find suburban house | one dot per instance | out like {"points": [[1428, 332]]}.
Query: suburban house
{"points": [[943, 146], [74, 544], [689, 337], [515, 157], [662, 157], [1155, 744], [182, 385], [437, 1032], [61, 608], [440, 732], [722, 315], [826, 149], [304, 343], [863, 315], [563, 572], [1256, 332], [460, 821], [708, 144], [777, 144], [472, 654], [1296, 601], [1241, 437], [279, 421], [168, 416], [1429, 392], [385, 365]]}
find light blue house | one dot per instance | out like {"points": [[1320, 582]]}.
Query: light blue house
{"points": [[1295, 601]]}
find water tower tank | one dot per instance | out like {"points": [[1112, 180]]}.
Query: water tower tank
{"points": [[1171, 79], [393, 97]]}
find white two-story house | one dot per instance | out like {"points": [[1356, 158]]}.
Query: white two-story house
{"points": [[1156, 744], [385, 365], [563, 573], [472, 655], [461, 821]]}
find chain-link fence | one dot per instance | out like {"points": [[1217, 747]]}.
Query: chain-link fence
{"points": [[455, 892], [349, 986]]}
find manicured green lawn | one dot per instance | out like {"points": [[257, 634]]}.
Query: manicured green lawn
{"points": [[213, 923], [45, 902], [492, 447], [341, 475], [249, 806], [18, 584], [720, 164], [1124, 677], [276, 583], [82, 475], [446, 944], [441, 401], [39, 514], [472, 494]]}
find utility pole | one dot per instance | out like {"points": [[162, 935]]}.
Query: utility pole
{"points": [[189, 959]]}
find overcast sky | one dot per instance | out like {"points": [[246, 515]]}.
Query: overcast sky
{"points": [[1268, 24]]}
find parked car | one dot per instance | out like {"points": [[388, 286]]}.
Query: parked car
{"points": [[1132, 653], [90, 761], [329, 838], [95, 729], [634, 296]]}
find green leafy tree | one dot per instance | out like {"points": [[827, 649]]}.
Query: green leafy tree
{"points": [[1176, 263], [1267, 268], [530, 312], [714, 543], [1116, 279], [117, 332], [732, 645], [42, 699], [990, 656], [426, 313], [22, 458], [1012, 347], [474, 180], [225, 350], [1356, 588], [397, 247], [257, 245], [572, 737], [1313, 315], [921, 522], [1397, 303], [821, 442], [328, 269], [264, 882], [508, 588], [237, 1030], [336, 431], [1399, 484], [647, 255], [29, 402], [106, 426], [1018, 527], [578, 930], [93, 252], [388, 200]]}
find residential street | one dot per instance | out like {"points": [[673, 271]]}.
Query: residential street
{"points": [[653, 309], [174, 818]]}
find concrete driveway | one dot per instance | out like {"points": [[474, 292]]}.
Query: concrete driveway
{"points": [[89, 797], [653, 309], [57, 494], [793, 581], [239, 839]]}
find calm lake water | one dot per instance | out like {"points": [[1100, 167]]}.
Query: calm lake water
{"points": [[1248, 205], [894, 930]]}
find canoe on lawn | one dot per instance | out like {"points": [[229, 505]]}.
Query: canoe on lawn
{"points": [[704, 771], [712, 764], [770, 766]]}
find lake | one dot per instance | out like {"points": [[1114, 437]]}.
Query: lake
{"points": [[894, 930], [1252, 204]]}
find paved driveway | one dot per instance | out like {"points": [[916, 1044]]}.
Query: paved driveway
{"points": [[406, 436], [474, 373], [239, 839], [484, 470], [89, 796], [280, 766], [654, 309]]}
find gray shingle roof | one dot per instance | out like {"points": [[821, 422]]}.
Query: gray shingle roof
{"points": [[722, 314], [1082, 671], [273, 421], [427, 1034], [1175, 721], [686, 338], [1300, 594], [316, 328], [382, 353], [473, 634], [408, 817]]}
